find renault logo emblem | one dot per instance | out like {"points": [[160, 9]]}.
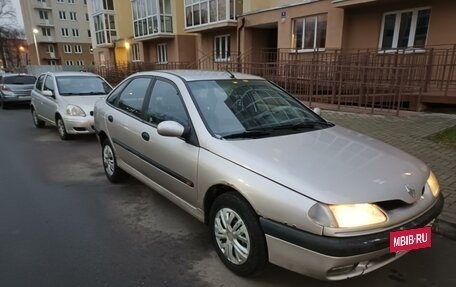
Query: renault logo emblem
{"points": [[410, 190]]}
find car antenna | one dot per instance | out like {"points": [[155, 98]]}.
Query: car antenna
{"points": [[231, 74]]}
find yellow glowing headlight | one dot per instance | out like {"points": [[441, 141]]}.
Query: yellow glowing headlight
{"points": [[356, 215], [433, 184]]}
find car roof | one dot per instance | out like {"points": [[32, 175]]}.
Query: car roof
{"points": [[198, 75], [58, 74]]}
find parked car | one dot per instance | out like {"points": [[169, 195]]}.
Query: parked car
{"points": [[273, 180], [66, 100], [15, 88]]}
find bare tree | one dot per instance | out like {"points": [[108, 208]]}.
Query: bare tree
{"points": [[8, 32]]}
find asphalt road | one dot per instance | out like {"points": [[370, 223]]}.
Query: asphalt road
{"points": [[63, 224]]}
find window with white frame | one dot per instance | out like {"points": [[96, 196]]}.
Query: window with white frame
{"points": [[73, 16], [62, 15], [75, 32], [135, 55], [162, 53], [89, 33], [101, 5], [70, 63], [52, 62], [43, 14], [65, 32], [67, 49], [152, 17], [60, 1], [87, 16], [105, 28], [80, 63], [46, 31], [309, 33], [50, 48], [71, 1], [200, 12], [222, 49], [78, 49], [405, 29]]}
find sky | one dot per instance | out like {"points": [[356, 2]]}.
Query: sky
{"points": [[17, 8]]}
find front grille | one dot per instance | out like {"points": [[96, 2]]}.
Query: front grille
{"points": [[22, 93]]}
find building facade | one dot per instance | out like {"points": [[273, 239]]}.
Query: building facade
{"points": [[58, 32], [142, 31]]}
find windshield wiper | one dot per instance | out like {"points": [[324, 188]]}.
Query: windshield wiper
{"points": [[302, 125], [248, 134]]}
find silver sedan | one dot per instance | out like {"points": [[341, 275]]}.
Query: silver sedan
{"points": [[273, 180]]}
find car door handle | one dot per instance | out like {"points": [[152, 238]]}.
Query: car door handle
{"points": [[110, 118], [145, 136]]}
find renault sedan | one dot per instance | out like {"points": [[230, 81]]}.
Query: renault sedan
{"points": [[273, 180], [66, 100]]}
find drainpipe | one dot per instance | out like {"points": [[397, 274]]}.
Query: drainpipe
{"points": [[239, 43]]}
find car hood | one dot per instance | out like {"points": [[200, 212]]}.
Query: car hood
{"points": [[87, 103], [333, 165]]}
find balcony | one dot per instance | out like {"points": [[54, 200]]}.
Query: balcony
{"points": [[45, 39], [152, 19], [45, 23], [41, 5], [203, 15], [347, 3]]}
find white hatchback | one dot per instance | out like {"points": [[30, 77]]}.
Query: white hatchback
{"points": [[66, 100]]}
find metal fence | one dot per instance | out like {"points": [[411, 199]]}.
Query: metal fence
{"points": [[369, 79]]}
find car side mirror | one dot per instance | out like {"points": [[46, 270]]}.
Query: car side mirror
{"points": [[317, 111], [48, 93], [170, 129]]}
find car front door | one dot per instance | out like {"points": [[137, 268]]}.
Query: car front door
{"points": [[49, 103], [37, 97], [169, 161], [124, 120]]}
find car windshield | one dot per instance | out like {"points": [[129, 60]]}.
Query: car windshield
{"points": [[82, 86], [20, 80], [251, 108]]}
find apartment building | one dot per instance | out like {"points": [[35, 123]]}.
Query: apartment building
{"points": [[150, 31], [57, 32]]}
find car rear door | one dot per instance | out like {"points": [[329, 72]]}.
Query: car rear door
{"points": [[169, 161], [124, 120]]}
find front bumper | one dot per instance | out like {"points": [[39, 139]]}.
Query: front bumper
{"points": [[79, 125], [17, 99], [330, 258]]}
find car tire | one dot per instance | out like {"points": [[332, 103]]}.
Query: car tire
{"points": [[113, 172], [36, 121], [62, 129], [243, 251]]}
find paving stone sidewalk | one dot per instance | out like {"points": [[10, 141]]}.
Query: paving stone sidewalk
{"points": [[409, 132]]}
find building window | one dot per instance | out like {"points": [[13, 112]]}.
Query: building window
{"points": [[73, 16], [162, 53], [50, 48], [52, 62], [100, 5], [43, 14], [71, 1], [70, 63], [46, 31], [78, 49], [59, 1], [152, 17], [135, 56], [222, 50], [89, 34], [405, 29], [67, 49], [85, 2], [105, 28], [65, 32], [80, 63], [87, 16], [200, 12], [309, 33], [75, 32], [62, 15]]}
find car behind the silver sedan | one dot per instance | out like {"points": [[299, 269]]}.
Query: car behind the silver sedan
{"points": [[274, 181]]}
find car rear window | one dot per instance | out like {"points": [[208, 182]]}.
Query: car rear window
{"points": [[20, 80]]}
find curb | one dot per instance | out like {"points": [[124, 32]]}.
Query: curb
{"points": [[445, 228]]}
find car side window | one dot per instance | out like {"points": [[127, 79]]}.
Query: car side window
{"points": [[166, 105], [48, 84], [112, 98], [131, 99], [39, 82]]}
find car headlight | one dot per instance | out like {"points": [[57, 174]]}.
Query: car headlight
{"points": [[73, 110], [347, 215], [433, 184]]}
